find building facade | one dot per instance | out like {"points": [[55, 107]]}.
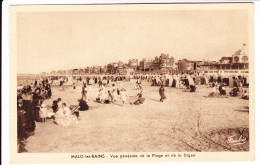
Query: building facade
{"points": [[133, 63], [146, 64], [166, 62], [236, 64]]}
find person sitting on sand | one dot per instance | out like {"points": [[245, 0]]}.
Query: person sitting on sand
{"points": [[83, 105], [140, 100], [222, 89], [234, 92], [64, 116], [245, 94]]}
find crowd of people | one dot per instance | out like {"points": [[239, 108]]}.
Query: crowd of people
{"points": [[31, 107], [108, 94], [29, 104]]}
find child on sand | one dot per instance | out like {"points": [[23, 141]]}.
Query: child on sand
{"points": [[123, 95], [114, 92], [43, 113], [110, 97]]}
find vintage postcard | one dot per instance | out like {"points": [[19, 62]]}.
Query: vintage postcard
{"points": [[131, 83]]}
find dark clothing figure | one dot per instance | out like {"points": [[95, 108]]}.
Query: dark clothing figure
{"points": [[29, 88], [233, 92], [203, 81], [192, 88], [36, 109], [99, 83], [162, 94], [55, 106], [61, 83], [43, 83], [21, 122], [219, 80], [154, 82], [21, 129], [186, 83], [226, 81], [38, 89], [29, 116], [83, 106], [107, 101], [222, 91], [49, 93]]}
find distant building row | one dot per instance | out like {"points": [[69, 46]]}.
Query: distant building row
{"points": [[238, 63]]}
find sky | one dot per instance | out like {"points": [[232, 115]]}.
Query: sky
{"points": [[49, 41]]}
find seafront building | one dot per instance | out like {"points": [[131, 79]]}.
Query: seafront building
{"points": [[237, 64]]}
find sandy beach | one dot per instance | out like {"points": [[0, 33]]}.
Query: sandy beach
{"points": [[183, 122]]}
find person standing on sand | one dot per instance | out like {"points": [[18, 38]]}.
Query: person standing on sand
{"points": [[114, 92], [35, 83], [84, 92], [123, 95], [162, 94], [43, 113]]}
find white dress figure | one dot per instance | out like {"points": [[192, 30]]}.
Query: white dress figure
{"points": [[123, 95], [114, 92], [191, 81], [177, 80], [43, 112]]}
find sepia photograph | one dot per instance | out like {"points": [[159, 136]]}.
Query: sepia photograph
{"points": [[139, 80]]}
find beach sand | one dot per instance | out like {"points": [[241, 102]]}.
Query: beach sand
{"points": [[183, 122]]}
